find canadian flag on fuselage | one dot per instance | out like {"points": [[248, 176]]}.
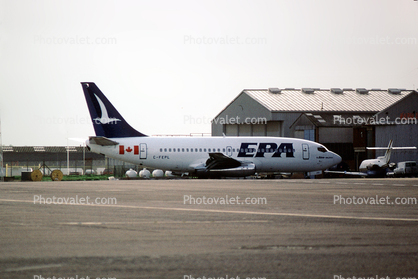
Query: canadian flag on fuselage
{"points": [[128, 149]]}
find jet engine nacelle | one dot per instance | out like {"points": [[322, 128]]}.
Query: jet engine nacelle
{"points": [[245, 170]]}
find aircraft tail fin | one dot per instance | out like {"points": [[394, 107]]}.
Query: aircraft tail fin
{"points": [[390, 148], [107, 121], [388, 152]]}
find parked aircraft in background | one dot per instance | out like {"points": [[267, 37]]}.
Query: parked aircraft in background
{"points": [[375, 167], [203, 157]]}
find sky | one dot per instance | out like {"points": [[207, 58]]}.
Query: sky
{"points": [[169, 67]]}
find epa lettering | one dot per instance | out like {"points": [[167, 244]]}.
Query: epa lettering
{"points": [[253, 149]]}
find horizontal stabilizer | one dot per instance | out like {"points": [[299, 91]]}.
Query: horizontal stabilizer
{"points": [[393, 148], [347, 173], [102, 141]]}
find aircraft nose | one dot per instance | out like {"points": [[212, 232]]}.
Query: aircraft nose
{"points": [[337, 159]]}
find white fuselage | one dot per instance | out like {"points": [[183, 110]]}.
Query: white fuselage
{"points": [[374, 164], [186, 154]]}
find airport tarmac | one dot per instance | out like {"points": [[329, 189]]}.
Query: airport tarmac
{"points": [[287, 228]]}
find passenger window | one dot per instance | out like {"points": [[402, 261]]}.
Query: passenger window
{"points": [[161, 150], [200, 149], [169, 150], [165, 149], [182, 150], [204, 150]]}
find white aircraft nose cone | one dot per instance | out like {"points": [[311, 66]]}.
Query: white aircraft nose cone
{"points": [[337, 159]]}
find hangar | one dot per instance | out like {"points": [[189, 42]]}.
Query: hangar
{"points": [[72, 158], [345, 120]]}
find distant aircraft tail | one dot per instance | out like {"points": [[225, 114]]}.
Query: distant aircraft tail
{"points": [[107, 121], [389, 150]]}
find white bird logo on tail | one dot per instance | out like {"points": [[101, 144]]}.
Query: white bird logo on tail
{"points": [[105, 117]]}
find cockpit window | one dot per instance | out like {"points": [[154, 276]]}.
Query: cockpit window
{"points": [[322, 149]]}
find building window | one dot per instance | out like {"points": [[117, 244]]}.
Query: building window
{"points": [[309, 135]]}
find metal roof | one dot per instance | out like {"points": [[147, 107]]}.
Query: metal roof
{"points": [[325, 100], [338, 120]]}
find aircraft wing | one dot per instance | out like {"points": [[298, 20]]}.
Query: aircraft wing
{"points": [[220, 161], [220, 165], [356, 173], [103, 141]]}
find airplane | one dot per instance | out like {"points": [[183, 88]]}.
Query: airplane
{"points": [[204, 157], [375, 167]]}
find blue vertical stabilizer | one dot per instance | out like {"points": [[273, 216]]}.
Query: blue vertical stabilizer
{"points": [[107, 121]]}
